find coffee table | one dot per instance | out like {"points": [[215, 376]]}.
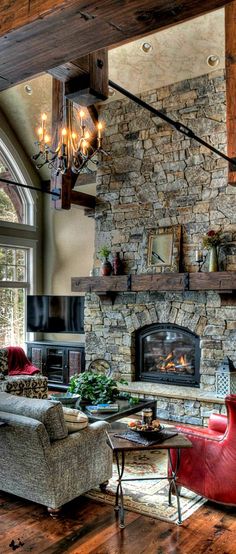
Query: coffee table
{"points": [[120, 446], [125, 409]]}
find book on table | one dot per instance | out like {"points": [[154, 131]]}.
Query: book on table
{"points": [[103, 408]]}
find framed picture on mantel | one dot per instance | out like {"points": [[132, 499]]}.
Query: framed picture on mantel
{"points": [[164, 248]]}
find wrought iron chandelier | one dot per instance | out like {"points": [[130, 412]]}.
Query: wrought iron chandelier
{"points": [[75, 148]]}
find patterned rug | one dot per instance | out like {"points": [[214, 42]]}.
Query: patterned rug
{"points": [[149, 498]]}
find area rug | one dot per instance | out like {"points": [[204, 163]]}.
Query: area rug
{"points": [[149, 498]]}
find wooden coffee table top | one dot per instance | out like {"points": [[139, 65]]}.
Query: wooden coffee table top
{"points": [[118, 444]]}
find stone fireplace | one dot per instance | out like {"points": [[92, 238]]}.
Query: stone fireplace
{"points": [[155, 177], [167, 353]]}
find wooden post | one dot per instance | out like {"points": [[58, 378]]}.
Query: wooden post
{"points": [[230, 64], [64, 183], [88, 88]]}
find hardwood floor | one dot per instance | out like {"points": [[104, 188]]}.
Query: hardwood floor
{"points": [[88, 527]]}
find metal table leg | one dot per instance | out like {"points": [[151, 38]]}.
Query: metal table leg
{"points": [[173, 484], [119, 505]]}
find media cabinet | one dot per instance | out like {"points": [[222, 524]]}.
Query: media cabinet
{"points": [[57, 360]]}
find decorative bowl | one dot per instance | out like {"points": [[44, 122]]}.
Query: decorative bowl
{"points": [[148, 434], [66, 398], [145, 430]]}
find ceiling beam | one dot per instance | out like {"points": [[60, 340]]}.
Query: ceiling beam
{"points": [[37, 36], [230, 65]]}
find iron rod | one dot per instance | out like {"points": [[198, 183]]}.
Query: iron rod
{"points": [[9, 182], [176, 124]]}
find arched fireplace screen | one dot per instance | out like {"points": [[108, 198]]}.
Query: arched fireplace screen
{"points": [[167, 353]]}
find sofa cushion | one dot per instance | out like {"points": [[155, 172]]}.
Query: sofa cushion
{"points": [[35, 386], [3, 361], [49, 412], [75, 419]]}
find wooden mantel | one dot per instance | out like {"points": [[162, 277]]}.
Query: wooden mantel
{"points": [[222, 281]]}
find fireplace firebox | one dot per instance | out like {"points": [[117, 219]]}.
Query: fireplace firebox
{"points": [[167, 353]]}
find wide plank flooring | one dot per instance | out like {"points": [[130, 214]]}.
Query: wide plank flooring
{"points": [[88, 527]]}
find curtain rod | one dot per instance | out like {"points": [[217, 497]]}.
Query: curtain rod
{"points": [[176, 124]]}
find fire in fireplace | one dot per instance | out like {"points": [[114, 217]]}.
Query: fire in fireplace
{"points": [[167, 353]]}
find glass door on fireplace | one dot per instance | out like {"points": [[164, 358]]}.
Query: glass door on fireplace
{"points": [[169, 354]]}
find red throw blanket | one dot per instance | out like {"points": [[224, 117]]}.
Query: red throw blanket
{"points": [[18, 363]]}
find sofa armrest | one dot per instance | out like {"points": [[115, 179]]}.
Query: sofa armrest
{"points": [[201, 432], [94, 433], [218, 422]]}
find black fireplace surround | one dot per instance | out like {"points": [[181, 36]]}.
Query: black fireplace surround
{"points": [[167, 353]]}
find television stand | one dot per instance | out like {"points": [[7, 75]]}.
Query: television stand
{"points": [[58, 361]]}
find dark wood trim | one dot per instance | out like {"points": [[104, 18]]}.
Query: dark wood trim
{"points": [[230, 66], [37, 36]]}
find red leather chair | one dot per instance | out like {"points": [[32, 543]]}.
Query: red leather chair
{"points": [[209, 467]]}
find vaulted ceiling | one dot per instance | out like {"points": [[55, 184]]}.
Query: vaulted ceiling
{"points": [[46, 34], [175, 54]]}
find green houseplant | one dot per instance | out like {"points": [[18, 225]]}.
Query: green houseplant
{"points": [[94, 388]]}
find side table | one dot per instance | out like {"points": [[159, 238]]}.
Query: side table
{"points": [[120, 446]]}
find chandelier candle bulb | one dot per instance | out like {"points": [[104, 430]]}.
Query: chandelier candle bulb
{"points": [[82, 114], [99, 130]]}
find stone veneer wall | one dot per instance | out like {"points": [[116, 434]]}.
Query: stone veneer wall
{"points": [[155, 177]]}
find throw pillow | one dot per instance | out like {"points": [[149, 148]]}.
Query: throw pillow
{"points": [[3, 361], [75, 419]]}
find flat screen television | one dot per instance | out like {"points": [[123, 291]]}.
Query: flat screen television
{"points": [[55, 314]]}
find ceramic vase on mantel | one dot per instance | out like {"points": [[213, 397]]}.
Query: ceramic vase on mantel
{"points": [[117, 264], [106, 268], [213, 259]]}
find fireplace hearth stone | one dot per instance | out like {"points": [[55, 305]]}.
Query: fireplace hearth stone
{"points": [[180, 404]]}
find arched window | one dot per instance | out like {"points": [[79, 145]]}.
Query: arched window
{"points": [[17, 250], [16, 203]]}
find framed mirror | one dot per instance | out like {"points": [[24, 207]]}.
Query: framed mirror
{"points": [[164, 248]]}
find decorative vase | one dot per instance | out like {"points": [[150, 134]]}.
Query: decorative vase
{"points": [[117, 264], [106, 268], [213, 259]]}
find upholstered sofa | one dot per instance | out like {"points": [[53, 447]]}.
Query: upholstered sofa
{"points": [[40, 461], [18, 376]]}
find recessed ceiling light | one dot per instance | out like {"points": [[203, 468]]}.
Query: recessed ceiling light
{"points": [[28, 89], [213, 60], [146, 47]]}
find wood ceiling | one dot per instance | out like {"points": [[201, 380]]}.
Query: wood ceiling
{"points": [[56, 36], [44, 34]]}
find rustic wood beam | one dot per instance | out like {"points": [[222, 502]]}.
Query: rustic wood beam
{"points": [[230, 65], [86, 89], [220, 281], [37, 36], [64, 182], [83, 199]]}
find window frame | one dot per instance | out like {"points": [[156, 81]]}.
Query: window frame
{"points": [[28, 197], [29, 285]]}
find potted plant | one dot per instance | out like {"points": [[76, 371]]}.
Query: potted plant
{"points": [[94, 388], [106, 267]]}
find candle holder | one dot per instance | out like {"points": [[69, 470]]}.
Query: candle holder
{"points": [[200, 261]]}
